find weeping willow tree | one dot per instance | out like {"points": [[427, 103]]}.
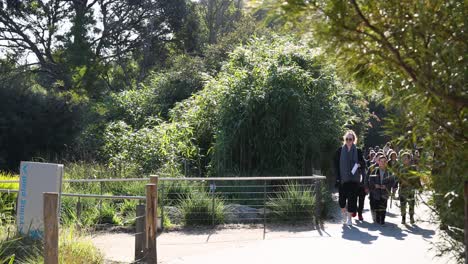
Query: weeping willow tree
{"points": [[413, 55], [274, 109]]}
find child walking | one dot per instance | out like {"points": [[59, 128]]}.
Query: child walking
{"points": [[381, 182]]}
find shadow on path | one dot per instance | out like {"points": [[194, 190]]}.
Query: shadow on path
{"points": [[354, 234], [416, 230], [392, 230], [389, 230]]}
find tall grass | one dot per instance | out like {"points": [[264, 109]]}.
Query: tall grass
{"points": [[74, 248], [294, 203], [197, 209], [94, 211], [172, 193]]}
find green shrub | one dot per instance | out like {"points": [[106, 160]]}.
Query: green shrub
{"points": [[293, 203], [153, 149], [197, 209], [174, 192], [108, 215], [89, 212], [274, 109], [7, 200], [68, 215], [166, 220], [74, 248], [128, 208]]}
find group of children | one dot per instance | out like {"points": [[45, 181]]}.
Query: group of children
{"points": [[380, 175], [389, 171]]}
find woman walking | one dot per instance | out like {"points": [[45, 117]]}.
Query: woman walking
{"points": [[350, 172]]}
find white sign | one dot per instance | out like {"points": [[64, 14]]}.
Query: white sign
{"points": [[35, 179]]}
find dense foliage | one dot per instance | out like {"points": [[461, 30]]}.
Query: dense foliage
{"points": [[86, 60], [273, 109], [413, 55], [34, 123]]}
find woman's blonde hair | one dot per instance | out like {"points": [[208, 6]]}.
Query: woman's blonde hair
{"points": [[348, 132]]}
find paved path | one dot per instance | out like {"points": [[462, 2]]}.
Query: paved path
{"points": [[393, 243]]}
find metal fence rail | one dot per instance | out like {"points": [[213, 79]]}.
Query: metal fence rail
{"points": [[221, 200], [316, 177]]}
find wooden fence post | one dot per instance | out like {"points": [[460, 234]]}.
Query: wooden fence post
{"points": [[51, 228], [155, 180], [466, 222], [151, 213], [140, 236]]}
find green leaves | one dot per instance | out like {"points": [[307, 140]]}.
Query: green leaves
{"points": [[412, 54], [269, 111], [149, 148]]}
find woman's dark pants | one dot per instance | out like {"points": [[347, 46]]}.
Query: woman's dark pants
{"points": [[348, 194]]}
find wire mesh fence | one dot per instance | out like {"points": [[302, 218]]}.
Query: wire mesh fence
{"points": [[103, 204], [107, 203], [215, 202]]}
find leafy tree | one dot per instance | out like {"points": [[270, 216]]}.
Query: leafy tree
{"points": [[138, 107], [215, 55], [414, 53], [272, 110], [219, 16], [33, 123], [73, 44]]}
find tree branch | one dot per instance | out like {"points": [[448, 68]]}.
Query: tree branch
{"points": [[458, 102]]}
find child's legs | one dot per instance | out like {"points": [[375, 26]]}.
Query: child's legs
{"points": [[411, 202], [403, 202], [380, 210], [384, 210]]}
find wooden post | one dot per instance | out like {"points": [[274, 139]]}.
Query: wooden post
{"points": [[466, 222], [51, 228], [155, 180], [151, 213], [318, 201], [140, 236]]}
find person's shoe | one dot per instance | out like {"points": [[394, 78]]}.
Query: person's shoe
{"points": [[403, 220], [360, 217], [354, 214], [344, 217], [349, 222], [412, 220]]}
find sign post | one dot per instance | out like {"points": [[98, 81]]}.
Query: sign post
{"points": [[35, 179]]}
